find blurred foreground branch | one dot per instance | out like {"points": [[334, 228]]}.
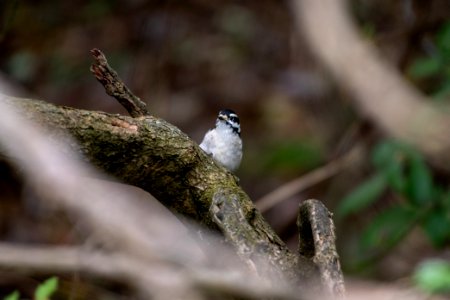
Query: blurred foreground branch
{"points": [[125, 268], [379, 90]]}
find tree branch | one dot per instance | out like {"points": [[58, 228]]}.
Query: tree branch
{"points": [[115, 87], [317, 241], [143, 275]]}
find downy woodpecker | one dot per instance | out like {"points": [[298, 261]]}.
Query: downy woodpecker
{"points": [[224, 142]]}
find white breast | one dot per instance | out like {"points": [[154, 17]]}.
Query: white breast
{"points": [[224, 145]]}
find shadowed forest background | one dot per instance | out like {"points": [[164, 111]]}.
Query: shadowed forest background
{"points": [[189, 59]]}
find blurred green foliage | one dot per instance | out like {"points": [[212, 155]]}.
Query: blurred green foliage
{"points": [[13, 296], [46, 289], [43, 291], [401, 170], [362, 196], [401, 174], [435, 67], [433, 276], [292, 155]]}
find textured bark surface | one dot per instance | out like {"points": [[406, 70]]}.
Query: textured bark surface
{"points": [[317, 242], [156, 156]]}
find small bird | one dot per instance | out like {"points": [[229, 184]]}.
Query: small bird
{"points": [[224, 142]]}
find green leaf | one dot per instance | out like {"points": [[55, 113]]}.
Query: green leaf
{"points": [[384, 153], [395, 175], [387, 229], [436, 225], [433, 276], [425, 67], [389, 158], [364, 195], [13, 296], [46, 289], [419, 186]]}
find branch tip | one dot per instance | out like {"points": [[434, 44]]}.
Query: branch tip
{"points": [[317, 242], [115, 87]]}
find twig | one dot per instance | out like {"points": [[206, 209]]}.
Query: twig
{"points": [[299, 184], [115, 87], [62, 259]]}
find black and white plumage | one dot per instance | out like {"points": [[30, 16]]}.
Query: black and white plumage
{"points": [[224, 142]]}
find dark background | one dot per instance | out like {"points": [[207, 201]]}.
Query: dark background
{"points": [[189, 59]]}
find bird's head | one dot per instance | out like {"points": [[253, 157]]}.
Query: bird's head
{"points": [[230, 118]]}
